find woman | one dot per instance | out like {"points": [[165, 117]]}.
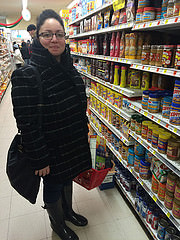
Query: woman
{"points": [[58, 151], [25, 52], [18, 60]]}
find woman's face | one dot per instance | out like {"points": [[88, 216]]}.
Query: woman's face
{"points": [[55, 45]]}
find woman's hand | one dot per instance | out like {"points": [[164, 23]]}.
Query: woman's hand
{"points": [[43, 172]]}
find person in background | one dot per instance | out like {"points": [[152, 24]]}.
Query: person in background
{"points": [[18, 60], [25, 52], [58, 150], [32, 30]]}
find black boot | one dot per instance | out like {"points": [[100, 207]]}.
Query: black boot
{"points": [[69, 214], [58, 225]]}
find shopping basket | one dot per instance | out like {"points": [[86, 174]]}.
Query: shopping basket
{"points": [[91, 178]]}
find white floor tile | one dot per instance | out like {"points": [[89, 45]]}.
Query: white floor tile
{"points": [[4, 229]]}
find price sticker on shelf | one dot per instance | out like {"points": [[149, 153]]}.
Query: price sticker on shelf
{"points": [[154, 198], [174, 73], [166, 22], [141, 141], [154, 152], [122, 91], [149, 68], [159, 121], [136, 66], [142, 67], [145, 114], [175, 130], [168, 214], [165, 71], [131, 170], [150, 24], [144, 25], [141, 183], [124, 141], [134, 107], [176, 19], [139, 110], [158, 23], [148, 147], [126, 61]]}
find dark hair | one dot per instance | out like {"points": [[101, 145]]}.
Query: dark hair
{"points": [[23, 44], [31, 27], [46, 14]]}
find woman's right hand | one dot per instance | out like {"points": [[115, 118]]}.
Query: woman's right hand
{"points": [[43, 172]]}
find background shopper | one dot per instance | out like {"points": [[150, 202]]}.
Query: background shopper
{"points": [[18, 60]]}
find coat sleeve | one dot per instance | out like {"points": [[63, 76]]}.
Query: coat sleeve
{"points": [[25, 99]]}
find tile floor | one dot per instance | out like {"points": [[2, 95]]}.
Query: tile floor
{"points": [[109, 216]]}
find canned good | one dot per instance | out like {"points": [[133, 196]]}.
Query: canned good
{"points": [[170, 231], [162, 225]]}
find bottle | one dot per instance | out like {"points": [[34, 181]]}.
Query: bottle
{"points": [[116, 74], [111, 78], [92, 45], [117, 47], [96, 45], [106, 45], [112, 45], [123, 76]]}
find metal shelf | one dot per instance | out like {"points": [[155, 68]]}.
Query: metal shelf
{"points": [[164, 24], [104, 30], [125, 91], [91, 13], [160, 70], [173, 165], [112, 128], [155, 117], [114, 108]]}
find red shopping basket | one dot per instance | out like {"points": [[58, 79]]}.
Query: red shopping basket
{"points": [[91, 178]]}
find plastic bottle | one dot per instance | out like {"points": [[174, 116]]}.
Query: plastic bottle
{"points": [[117, 47], [111, 78], [112, 45], [93, 45], [96, 45], [106, 45], [123, 77]]}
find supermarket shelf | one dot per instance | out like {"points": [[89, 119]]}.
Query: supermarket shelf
{"points": [[160, 70], [4, 55], [90, 14], [104, 30], [114, 108], [164, 24], [173, 165], [2, 93], [125, 91], [146, 184], [113, 129], [108, 58], [155, 117], [130, 198]]}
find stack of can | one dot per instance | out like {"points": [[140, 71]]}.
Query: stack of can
{"points": [[175, 107]]}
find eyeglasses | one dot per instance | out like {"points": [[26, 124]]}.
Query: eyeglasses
{"points": [[49, 35]]}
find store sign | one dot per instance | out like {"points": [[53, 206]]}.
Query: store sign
{"points": [[118, 4], [18, 36]]}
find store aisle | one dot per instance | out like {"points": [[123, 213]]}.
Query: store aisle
{"points": [[109, 216]]}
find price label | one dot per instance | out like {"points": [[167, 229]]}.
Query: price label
{"points": [[175, 130], [141, 141], [176, 19], [168, 214], [144, 25], [166, 22], [154, 198], [149, 68], [136, 66], [152, 117], [126, 61], [174, 73], [150, 24], [134, 107], [148, 147], [124, 141], [142, 183], [118, 4], [158, 120], [165, 71], [139, 110], [145, 114], [142, 67], [154, 152], [131, 170], [122, 91]]}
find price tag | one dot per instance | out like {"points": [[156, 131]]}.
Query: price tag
{"points": [[134, 107], [139, 26], [124, 141], [154, 198], [175, 130], [133, 134], [148, 147], [152, 117], [154, 152], [137, 138], [118, 4], [122, 91], [139, 110], [174, 73], [158, 120], [142, 67], [144, 25], [136, 66], [150, 24], [176, 19], [166, 22], [167, 125], [142, 183], [141, 141], [158, 23], [131, 170], [149, 68], [126, 61], [168, 214], [145, 114], [165, 71]]}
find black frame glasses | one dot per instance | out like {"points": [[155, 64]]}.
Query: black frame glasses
{"points": [[49, 35]]}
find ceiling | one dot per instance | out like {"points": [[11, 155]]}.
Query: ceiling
{"points": [[13, 8]]}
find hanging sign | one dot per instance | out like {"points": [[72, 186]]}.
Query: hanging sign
{"points": [[118, 4]]}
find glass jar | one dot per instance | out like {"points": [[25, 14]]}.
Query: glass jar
{"points": [[177, 58], [168, 56], [153, 54], [145, 98], [177, 190], [173, 149], [145, 54], [139, 15], [149, 14], [159, 53], [171, 182], [154, 103], [170, 9], [176, 208], [176, 8], [168, 201], [158, 13]]}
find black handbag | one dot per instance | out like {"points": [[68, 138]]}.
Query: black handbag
{"points": [[21, 176]]}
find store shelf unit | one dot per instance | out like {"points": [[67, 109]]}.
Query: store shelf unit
{"points": [[112, 128], [91, 13], [104, 30], [119, 111], [173, 165], [146, 184], [164, 24], [160, 70], [155, 117], [128, 92]]}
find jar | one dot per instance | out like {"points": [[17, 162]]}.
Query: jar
{"points": [[124, 152], [145, 81], [176, 8], [149, 214], [144, 169], [168, 56], [148, 156], [133, 122], [145, 98], [143, 3], [155, 184], [151, 127], [176, 208], [161, 191], [173, 149], [155, 136], [167, 101], [168, 201], [131, 157], [144, 209], [174, 115], [139, 15], [170, 9], [149, 14], [137, 160], [162, 225], [155, 219], [171, 181], [145, 54], [159, 54], [145, 129], [138, 125], [153, 54], [139, 150], [177, 190], [177, 58], [158, 13], [163, 141], [154, 103]]}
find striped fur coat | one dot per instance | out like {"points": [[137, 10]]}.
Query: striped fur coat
{"points": [[62, 142]]}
